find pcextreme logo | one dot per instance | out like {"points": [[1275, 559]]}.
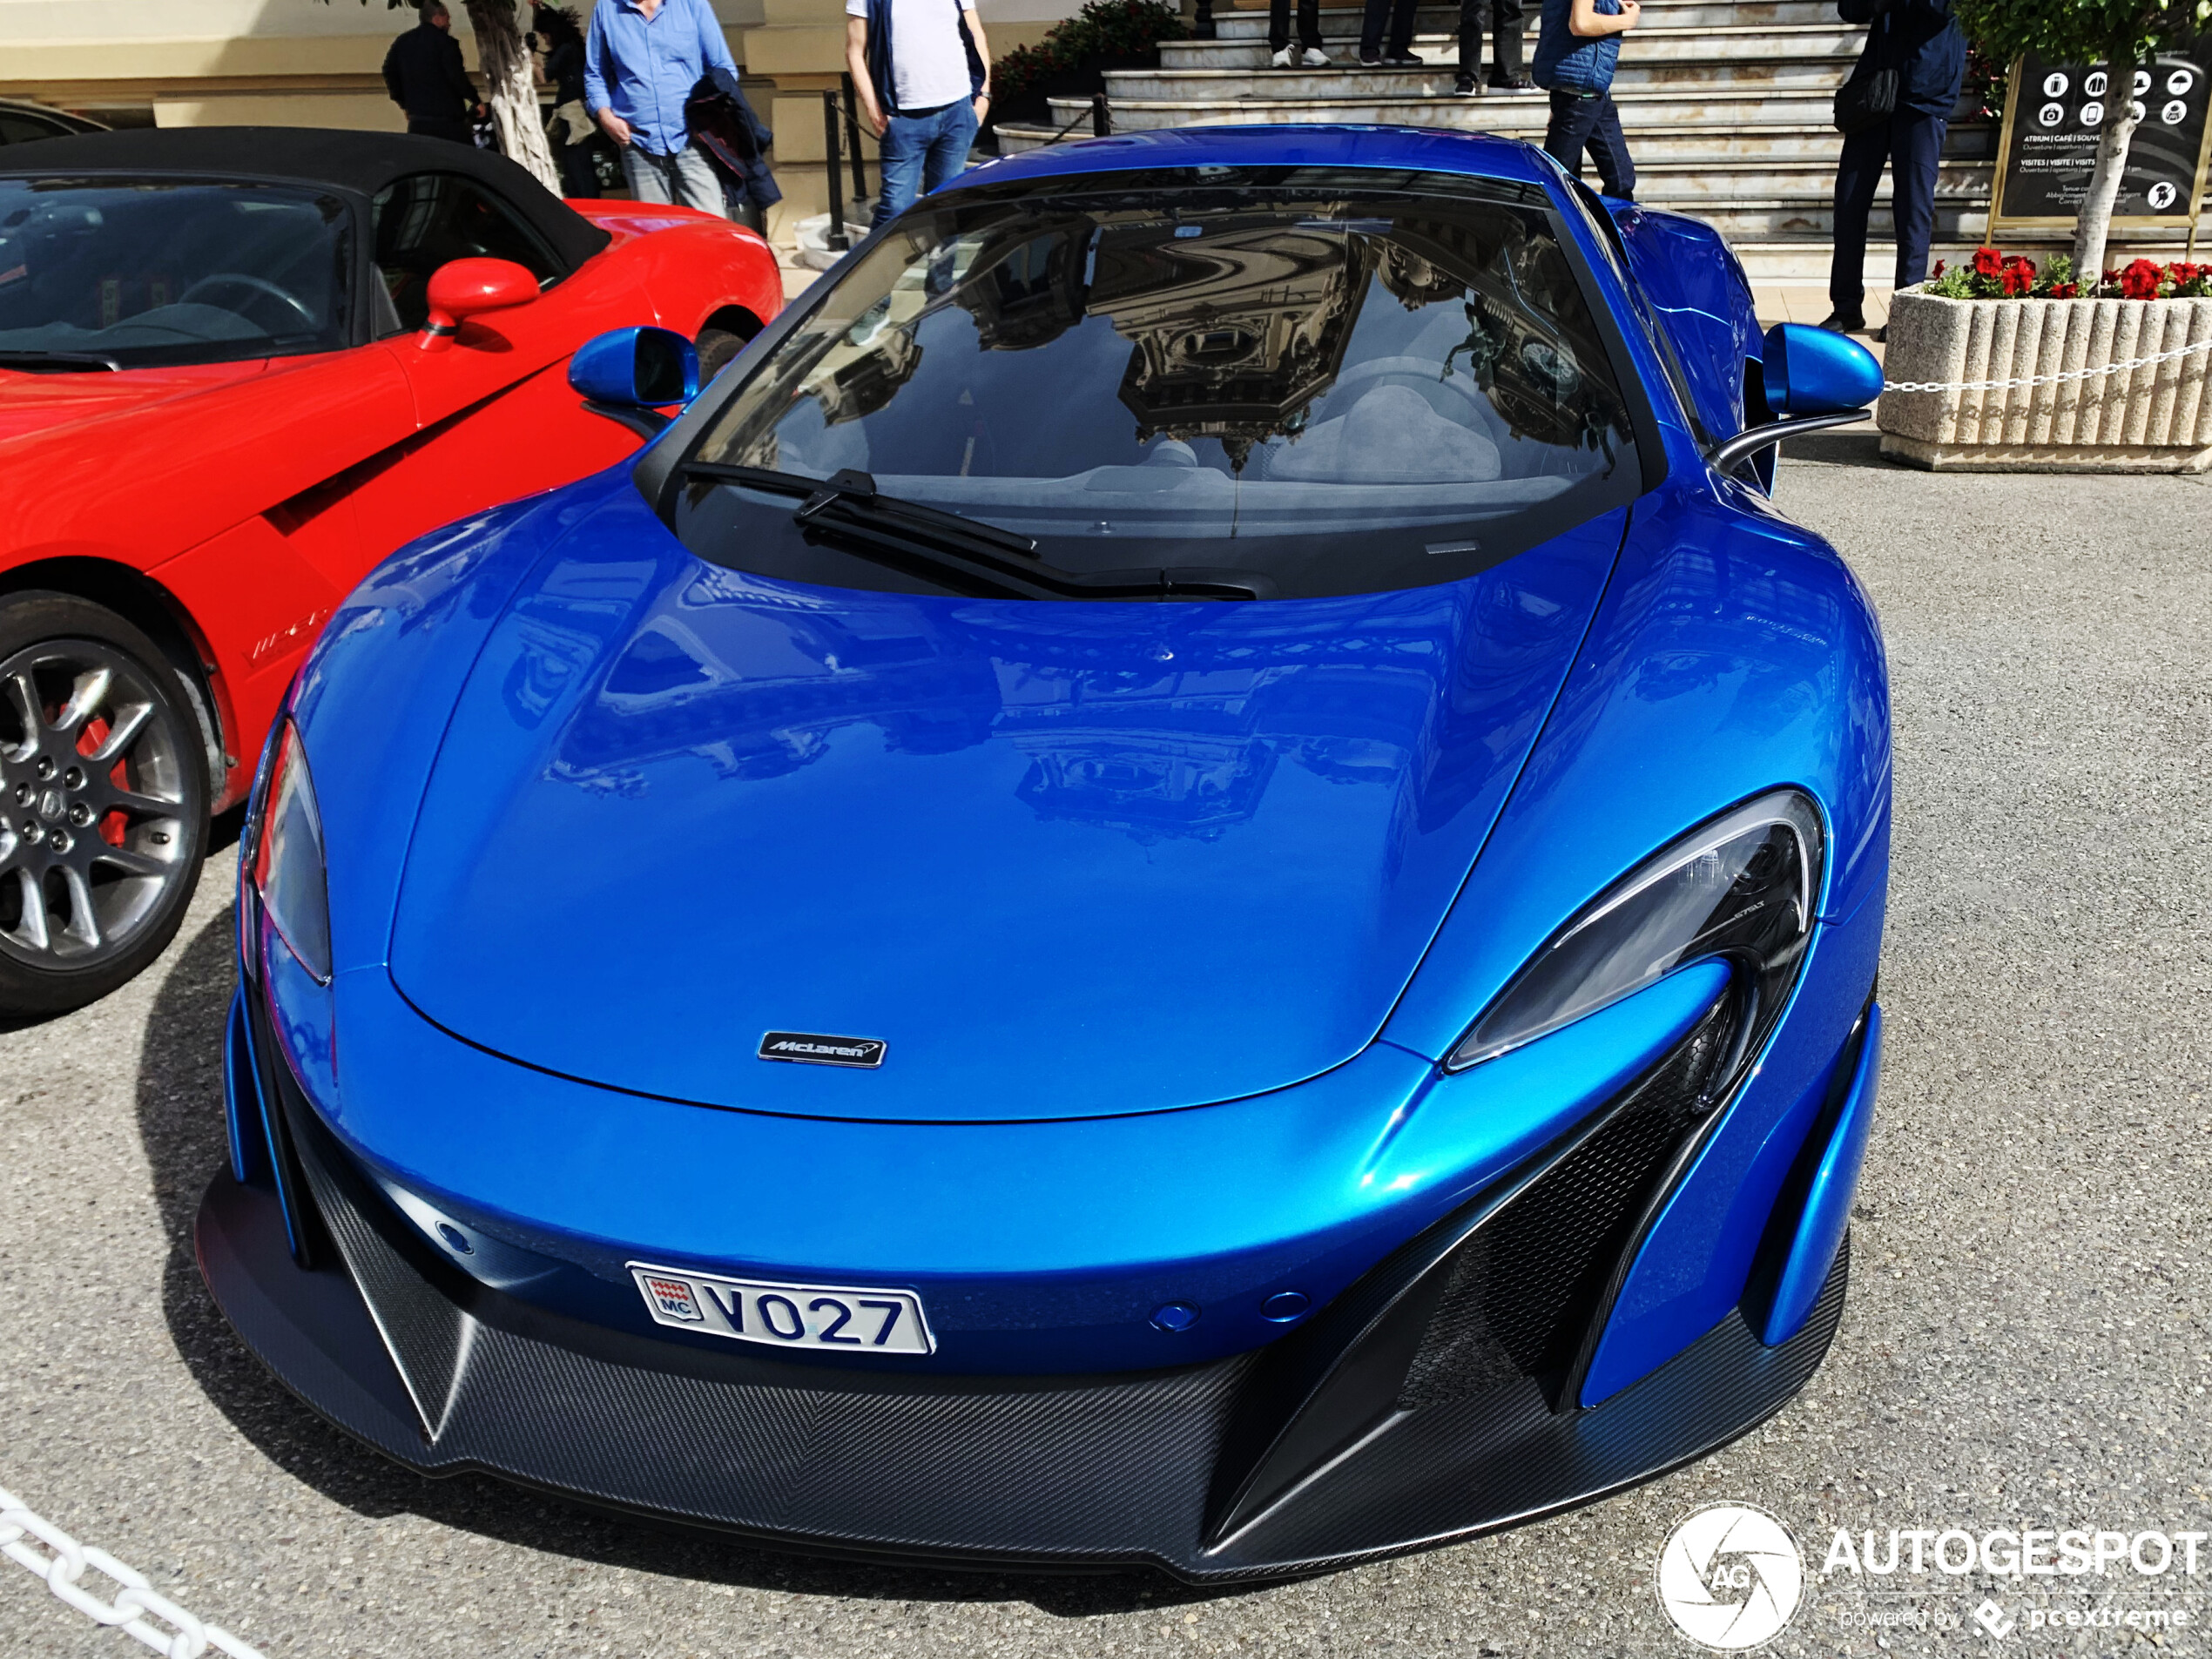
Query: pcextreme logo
{"points": [[1731, 1577]]}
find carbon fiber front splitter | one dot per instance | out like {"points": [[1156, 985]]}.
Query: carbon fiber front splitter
{"points": [[1081, 1473]]}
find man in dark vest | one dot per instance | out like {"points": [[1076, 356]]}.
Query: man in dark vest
{"points": [[423, 73]]}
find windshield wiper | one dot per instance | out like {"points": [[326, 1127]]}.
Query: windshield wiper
{"points": [[847, 507], [56, 362]]}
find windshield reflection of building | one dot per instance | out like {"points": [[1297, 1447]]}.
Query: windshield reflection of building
{"points": [[1237, 326]]}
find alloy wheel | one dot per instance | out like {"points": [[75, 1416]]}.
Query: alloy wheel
{"points": [[93, 803]]}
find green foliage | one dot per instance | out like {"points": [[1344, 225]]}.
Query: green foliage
{"points": [[2080, 31], [1104, 29]]}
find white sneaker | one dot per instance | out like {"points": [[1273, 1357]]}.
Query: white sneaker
{"points": [[1315, 58], [1287, 59]]}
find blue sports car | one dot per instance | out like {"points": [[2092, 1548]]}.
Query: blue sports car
{"points": [[1191, 877]]}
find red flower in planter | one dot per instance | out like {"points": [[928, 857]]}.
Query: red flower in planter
{"points": [[2066, 291], [1988, 262], [1938, 269], [2141, 280]]}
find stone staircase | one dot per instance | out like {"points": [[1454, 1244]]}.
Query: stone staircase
{"points": [[1727, 104]]}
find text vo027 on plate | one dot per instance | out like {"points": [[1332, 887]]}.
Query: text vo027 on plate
{"points": [[837, 1318], [812, 1048]]}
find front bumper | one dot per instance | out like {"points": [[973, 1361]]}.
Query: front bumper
{"points": [[1436, 1398]]}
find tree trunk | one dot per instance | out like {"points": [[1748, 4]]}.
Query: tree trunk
{"points": [[510, 88], [2094, 227]]}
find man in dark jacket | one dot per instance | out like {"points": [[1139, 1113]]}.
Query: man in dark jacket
{"points": [[1921, 41], [423, 74]]}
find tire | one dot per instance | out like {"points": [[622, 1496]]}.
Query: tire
{"points": [[716, 348], [103, 802]]}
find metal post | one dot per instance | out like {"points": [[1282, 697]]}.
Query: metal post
{"points": [[836, 239], [1102, 119], [1203, 28], [852, 140]]}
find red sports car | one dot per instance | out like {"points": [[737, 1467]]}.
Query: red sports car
{"points": [[237, 366]]}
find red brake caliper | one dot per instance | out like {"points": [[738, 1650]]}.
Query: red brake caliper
{"points": [[115, 825]]}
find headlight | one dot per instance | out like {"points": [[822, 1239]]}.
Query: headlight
{"points": [[1742, 888], [288, 861]]}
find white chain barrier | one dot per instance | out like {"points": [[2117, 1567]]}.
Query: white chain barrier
{"points": [[2046, 380], [62, 1564]]}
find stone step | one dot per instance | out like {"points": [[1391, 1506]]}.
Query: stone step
{"points": [[1693, 49], [1749, 148], [1643, 109], [1343, 21], [1806, 77]]}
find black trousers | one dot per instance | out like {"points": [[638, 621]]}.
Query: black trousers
{"points": [[1911, 145], [1400, 16], [1278, 24], [428, 127], [1476, 17], [1588, 120]]}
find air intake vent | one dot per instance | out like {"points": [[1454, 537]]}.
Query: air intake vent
{"points": [[1521, 1292]]}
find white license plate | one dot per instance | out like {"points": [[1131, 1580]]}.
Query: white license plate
{"points": [[834, 1319]]}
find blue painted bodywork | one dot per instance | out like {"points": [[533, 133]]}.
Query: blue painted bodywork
{"points": [[1167, 912], [1826, 1215], [1814, 371]]}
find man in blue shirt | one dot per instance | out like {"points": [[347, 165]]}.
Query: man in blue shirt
{"points": [[641, 61]]}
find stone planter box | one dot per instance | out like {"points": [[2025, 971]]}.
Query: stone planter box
{"points": [[2152, 419]]}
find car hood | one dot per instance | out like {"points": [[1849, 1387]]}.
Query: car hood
{"points": [[1061, 860], [44, 403]]}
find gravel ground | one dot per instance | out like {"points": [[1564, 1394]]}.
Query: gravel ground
{"points": [[2025, 1345]]}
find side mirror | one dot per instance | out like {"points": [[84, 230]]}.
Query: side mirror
{"points": [[631, 375], [1816, 378], [1814, 371], [461, 289]]}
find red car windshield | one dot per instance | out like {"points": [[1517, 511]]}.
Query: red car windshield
{"points": [[126, 273]]}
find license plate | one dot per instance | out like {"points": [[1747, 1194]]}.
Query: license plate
{"points": [[834, 1319]]}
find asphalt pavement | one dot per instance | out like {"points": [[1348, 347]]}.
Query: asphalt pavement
{"points": [[2025, 1347]]}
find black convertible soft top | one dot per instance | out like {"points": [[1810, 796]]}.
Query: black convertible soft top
{"points": [[362, 162]]}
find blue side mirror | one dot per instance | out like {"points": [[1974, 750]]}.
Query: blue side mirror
{"points": [[635, 368], [1813, 371]]}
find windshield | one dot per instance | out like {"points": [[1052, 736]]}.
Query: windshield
{"points": [[125, 273], [1334, 384]]}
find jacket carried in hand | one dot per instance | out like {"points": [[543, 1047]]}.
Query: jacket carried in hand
{"points": [[735, 139], [1919, 39], [1567, 62]]}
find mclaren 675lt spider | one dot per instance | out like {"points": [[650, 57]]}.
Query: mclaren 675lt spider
{"points": [[1193, 877]]}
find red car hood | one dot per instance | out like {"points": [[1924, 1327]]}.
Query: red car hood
{"points": [[39, 404]]}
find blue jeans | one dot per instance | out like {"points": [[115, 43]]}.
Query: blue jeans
{"points": [[919, 153]]}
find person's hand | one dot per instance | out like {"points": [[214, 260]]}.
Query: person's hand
{"points": [[982, 104], [614, 127], [878, 123], [1630, 11]]}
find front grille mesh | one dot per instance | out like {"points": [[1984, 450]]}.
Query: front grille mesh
{"points": [[1520, 1291]]}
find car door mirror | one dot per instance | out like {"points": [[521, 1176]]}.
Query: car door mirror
{"points": [[631, 375], [1815, 371], [461, 289], [1812, 378]]}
